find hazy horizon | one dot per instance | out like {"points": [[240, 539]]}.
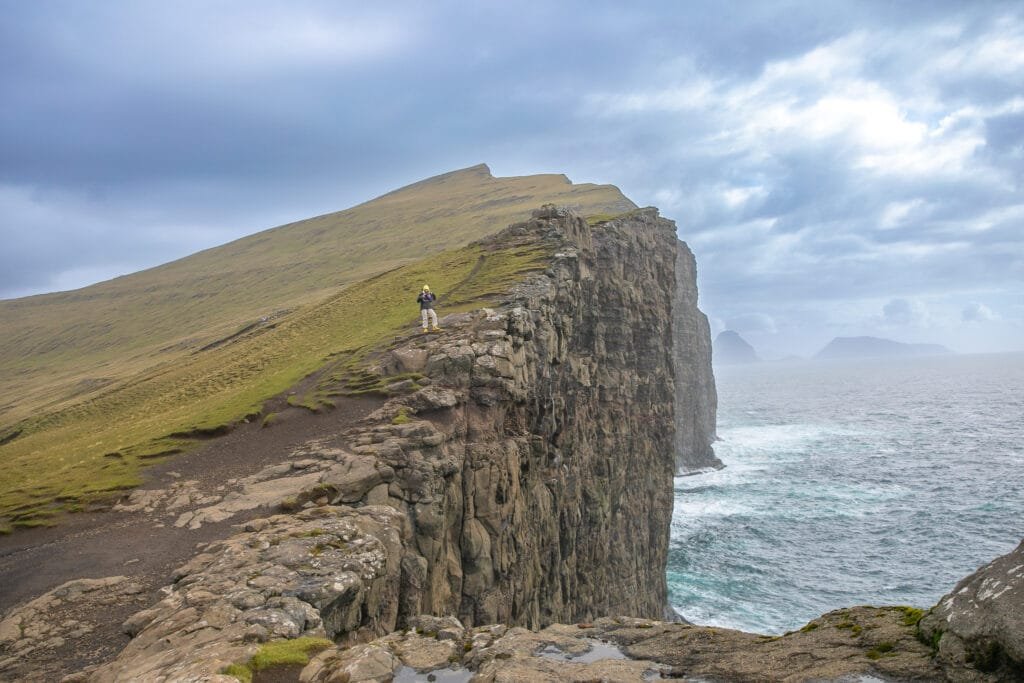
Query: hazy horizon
{"points": [[838, 170]]}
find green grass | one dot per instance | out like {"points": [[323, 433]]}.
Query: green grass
{"points": [[883, 649], [602, 217], [847, 623], [911, 615], [61, 458], [278, 653]]}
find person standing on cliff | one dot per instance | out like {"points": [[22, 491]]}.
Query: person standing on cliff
{"points": [[426, 301]]}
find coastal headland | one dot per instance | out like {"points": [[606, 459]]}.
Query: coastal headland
{"points": [[490, 502]]}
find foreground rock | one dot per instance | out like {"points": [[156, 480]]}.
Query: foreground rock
{"points": [[980, 624], [845, 645], [35, 637], [324, 572]]}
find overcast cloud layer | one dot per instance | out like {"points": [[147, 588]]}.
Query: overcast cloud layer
{"points": [[838, 170]]}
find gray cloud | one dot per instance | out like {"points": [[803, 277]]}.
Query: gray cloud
{"points": [[901, 313], [977, 312], [752, 323], [822, 160]]}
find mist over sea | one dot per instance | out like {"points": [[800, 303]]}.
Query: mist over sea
{"points": [[876, 482]]}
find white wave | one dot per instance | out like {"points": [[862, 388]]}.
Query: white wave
{"points": [[696, 507], [779, 437]]}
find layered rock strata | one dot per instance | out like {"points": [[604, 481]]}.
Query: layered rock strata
{"points": [[519, 476]]}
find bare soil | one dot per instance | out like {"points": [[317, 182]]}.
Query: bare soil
{"points": [[141, 545]]}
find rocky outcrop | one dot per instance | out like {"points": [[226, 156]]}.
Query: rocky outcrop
{"points": [[518, 479], [34, 637], [858, 644], [327, 571], [696, 400], [979, 626], [536, 476], [521, 473]]}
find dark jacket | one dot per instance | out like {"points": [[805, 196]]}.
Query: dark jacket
{"points": [[426, 300]]}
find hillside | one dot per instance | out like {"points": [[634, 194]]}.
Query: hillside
{"points": [[57, 349], [98, 381]]}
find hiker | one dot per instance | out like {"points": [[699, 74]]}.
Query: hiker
{"points": [[426, 301]]}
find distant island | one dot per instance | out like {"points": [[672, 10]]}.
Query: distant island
{"points": [[844, 348], [729, 347]]}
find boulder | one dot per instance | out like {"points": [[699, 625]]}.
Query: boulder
{"points": [[410, 360], [979, 625]]}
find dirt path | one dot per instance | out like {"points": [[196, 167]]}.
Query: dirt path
{"points": [[145, 545]]}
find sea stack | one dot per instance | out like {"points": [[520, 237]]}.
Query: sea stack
{"points": [[730, 348]]}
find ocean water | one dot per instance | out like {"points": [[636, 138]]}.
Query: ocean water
{"points": [[879, 482]]}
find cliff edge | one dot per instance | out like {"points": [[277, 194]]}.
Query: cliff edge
{"points": [[520, 473]]}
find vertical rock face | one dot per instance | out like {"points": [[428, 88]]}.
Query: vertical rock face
{"points": [[558, 501], [696, 398]]}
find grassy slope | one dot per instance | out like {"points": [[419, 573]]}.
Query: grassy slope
{"points": [[57, 349], [74, 448], [85, 451]]}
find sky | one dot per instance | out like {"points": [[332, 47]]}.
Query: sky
{"points": [[838, 168]]}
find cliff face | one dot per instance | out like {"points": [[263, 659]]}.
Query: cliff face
{"points": [[695, 395], [557, 503], [520, 474]]}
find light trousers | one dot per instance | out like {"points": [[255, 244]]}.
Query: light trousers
{"points": [[433, 317]]}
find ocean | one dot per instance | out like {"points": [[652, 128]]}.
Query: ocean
{"points": [[878, 482]]}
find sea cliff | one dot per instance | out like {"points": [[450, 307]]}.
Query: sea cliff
{"points": [[520, 473], [503, 515]]}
